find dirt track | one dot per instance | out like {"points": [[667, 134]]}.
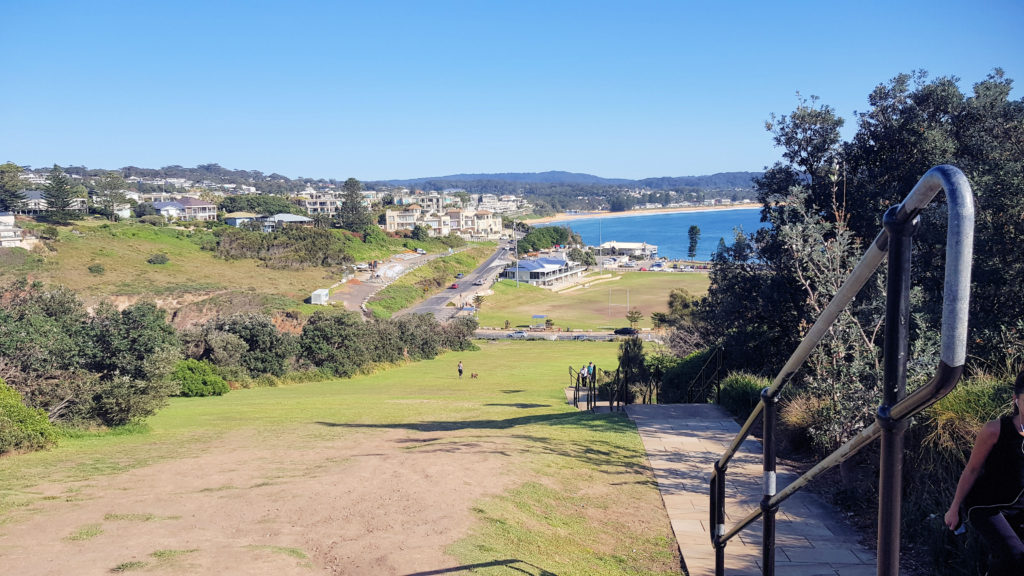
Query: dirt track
{"points": [[358, 503]]}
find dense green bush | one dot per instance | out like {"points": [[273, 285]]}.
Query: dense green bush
{"points": [[677, 384], [740, 393], [97, 269], [198, 378], [21, 427], [267, 349], [158, 258]]}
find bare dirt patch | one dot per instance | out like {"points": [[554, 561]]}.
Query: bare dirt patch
{"points": [[350, 502]]}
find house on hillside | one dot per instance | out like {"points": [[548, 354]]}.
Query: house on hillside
{"points": [[238, 219], [169, 210], [35, 203], [278, 221], [196, 209]]}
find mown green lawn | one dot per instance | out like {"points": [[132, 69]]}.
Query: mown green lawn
{"points": [[601, 305], [578, 475]]}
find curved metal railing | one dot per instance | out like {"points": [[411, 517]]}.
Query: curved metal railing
{"points": [[893, 241]]}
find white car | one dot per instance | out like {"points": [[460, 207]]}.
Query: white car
{"points": [[518, 335]]}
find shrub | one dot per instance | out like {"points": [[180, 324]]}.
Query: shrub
{"points": [[21, 427], [158, 258], [123, 399], [198, 378], [677, 385], [740, 393], [96, 269], [152, 219]]}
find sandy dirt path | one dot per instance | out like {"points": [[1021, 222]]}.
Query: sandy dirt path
{"points": [[349, 502]]}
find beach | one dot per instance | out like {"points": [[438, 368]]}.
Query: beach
{"points": [[564, 217]]}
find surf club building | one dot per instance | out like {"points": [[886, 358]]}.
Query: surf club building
{"points": [[543, 271]]}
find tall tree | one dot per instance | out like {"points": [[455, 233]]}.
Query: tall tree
{"points": [[352, 214], [59, 195], [11, 195], [694, 233], [109, 193]]}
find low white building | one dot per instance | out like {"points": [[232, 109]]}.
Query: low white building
{"points": [[543, 271], [634, 249]]}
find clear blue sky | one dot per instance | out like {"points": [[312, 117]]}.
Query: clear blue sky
{"points": [[378, 89]]}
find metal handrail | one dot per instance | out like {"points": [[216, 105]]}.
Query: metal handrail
{"points": [[892, 414]]}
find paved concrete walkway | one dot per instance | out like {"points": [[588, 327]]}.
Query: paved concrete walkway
{"points": [[682, 442]]}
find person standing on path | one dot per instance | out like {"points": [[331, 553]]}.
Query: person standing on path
{"points": [[590, 372], [460, 368], [991, 489]]}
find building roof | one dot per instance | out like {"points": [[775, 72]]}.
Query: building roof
{"points": [[241, 215], [284, 217], [194, 202], [33, 194], [540, 265], [628, 245], [172, 204]]}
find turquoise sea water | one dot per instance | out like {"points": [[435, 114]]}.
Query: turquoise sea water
{"points": [[669, 232]]}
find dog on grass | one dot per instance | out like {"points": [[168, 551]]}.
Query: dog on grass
{"points": [[472, 374]]}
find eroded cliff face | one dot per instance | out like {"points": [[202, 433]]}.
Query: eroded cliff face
{"points": [[192, 309]]}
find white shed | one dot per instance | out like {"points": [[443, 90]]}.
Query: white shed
{"points": [[320, 296]]}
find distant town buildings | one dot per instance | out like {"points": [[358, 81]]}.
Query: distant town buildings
{"points": [[465, 223]]}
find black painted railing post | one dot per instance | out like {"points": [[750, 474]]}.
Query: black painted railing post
{"points": [[768, 419], [897, 319], [576, 389], [718, 518]]}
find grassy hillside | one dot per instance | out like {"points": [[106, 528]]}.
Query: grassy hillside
{"points": [[601, 304], [563, 471], [101, 260]]}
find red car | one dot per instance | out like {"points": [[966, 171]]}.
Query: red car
{"points": [[453, 287]]}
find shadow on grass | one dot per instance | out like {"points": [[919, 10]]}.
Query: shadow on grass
{"points": [[511, 564], [607, 456], [577, 419], [511, 391], [521, 405]]}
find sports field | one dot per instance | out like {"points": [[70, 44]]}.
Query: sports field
{"points": [[407, 471], [600, 304]]}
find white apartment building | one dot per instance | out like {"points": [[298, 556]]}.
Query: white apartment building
{"points": [[465, 223]]}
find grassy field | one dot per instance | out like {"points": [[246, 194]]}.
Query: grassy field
{"points": [[576, 478], [601, 305]]}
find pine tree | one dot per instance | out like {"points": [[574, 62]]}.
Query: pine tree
{"points": [[11, 195], [58, 194]]}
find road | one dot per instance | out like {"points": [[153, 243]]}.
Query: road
{"points": [[463, 295]]}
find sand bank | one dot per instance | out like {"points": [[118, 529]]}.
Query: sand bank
{"points": [[563, 217]]}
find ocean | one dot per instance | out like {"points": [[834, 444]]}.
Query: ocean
{"points": [[669, 231]]}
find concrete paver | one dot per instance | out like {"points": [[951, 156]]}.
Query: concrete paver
{"points": [[682, 442]]}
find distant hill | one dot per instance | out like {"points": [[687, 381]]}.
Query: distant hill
{"points": [[550, 177], [720, 181]]}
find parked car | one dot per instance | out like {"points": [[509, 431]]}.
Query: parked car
{"points": [[518, 335], [454, 287], [627, 331], [459, 275], [579, 337], [421, 251], [478, 283]]}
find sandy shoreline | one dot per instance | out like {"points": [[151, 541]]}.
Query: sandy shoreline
{"points": [[563, 217]]}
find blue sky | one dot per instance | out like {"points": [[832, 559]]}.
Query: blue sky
{"points": [[379, 89]]}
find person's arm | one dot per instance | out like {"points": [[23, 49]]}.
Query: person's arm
{"points": [[982, 446]]}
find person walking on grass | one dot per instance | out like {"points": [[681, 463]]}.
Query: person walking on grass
{"points": [[990, 493], [460, 369]]}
